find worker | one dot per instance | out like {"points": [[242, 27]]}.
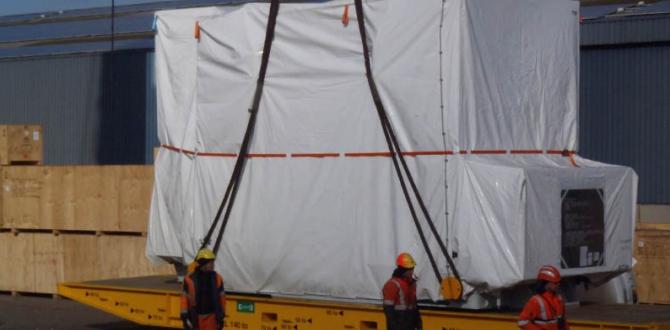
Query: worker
{"points": [[203, 302], [399, 294], [546, 309]]}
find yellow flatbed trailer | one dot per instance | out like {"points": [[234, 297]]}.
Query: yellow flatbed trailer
{"points": [[154, 301]]}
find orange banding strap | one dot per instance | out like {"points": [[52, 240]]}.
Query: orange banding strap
{"points": [[266, 156], [345, 16], [196, 33], [526, 152], [427, 153], [488, 152], [367, 154], [571, 156], [565, 153], [317, 155]]}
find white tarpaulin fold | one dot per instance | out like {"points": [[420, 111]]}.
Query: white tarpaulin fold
{"points": [[320, 210]]}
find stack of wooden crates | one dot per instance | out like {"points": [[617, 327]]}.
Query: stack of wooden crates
{"points": [[652, 252], [68, 223]]}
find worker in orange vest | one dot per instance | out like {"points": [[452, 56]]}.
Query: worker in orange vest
{"points": [[203, 300], [399, 294], [546, 309]]}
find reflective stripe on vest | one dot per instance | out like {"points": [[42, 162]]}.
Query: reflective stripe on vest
{"points": [[543, 313], [189, 292], [543, 309], [402, 302]]}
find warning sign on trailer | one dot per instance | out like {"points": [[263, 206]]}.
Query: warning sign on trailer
{"points": [[582, 228]]}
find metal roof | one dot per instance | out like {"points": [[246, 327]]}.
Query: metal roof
{"points": [[90, 30], [620, 10], [593, 12]]}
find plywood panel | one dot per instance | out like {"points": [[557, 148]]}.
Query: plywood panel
{"points": [[48, 257], [57, 206], [18, 262], [97, 198], [135, 188], [80, 257], [652, 271], [37, 197], [37, 262], [654, 214], [6, 259], [124, 256], [21, 193]]}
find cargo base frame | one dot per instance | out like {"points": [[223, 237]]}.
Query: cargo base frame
{"points": [[155, 301]]}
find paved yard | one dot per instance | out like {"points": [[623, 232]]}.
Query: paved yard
{"points": [[26, 312]]}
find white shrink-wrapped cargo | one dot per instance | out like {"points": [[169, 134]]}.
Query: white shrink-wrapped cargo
{"points": [[489, 86]]}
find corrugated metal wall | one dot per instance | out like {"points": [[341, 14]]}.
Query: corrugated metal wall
{"points": [[625, 104], [93, 107], [626, 30]]}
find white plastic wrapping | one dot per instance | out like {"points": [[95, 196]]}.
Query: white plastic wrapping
{"points": [[319, 210]]}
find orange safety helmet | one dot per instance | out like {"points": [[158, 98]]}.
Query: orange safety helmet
{"points": [[405, 260], [549, 274]]}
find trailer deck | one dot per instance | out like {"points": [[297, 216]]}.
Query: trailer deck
{"points": [[154, 301]]}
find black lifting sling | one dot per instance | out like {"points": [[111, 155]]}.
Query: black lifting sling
{"points": [[396, 155], [236, 177], [394, 148]]}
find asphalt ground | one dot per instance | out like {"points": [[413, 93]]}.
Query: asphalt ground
{"points": [[44, 313]]}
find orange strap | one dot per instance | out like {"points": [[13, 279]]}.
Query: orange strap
{"points": [[571, 157], [565, 153], [196, 33], [345, 16]]}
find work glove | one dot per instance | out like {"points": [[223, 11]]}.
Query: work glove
{"points": [[186, 321]]}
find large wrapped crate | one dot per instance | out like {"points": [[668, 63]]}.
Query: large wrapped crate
{"points": [[21, 144], [652, 270], [37, 262], [490, 85], [92, 198]]}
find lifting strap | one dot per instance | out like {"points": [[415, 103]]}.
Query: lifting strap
{"points": [[396, 156], [236, 177]]}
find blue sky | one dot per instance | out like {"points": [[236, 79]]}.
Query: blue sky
{"points": [[16, 7]]}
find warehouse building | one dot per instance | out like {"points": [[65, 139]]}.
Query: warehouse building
{"points": [[89, 81], [624, 104]]}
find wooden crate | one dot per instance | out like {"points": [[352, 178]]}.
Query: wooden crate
{"points": [[21, 144], [653, 213], [36, 261], [652, 271], [90, 198]]}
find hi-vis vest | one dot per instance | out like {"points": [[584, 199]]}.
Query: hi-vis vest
{"points": [[539, 314], [404, 300]]}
